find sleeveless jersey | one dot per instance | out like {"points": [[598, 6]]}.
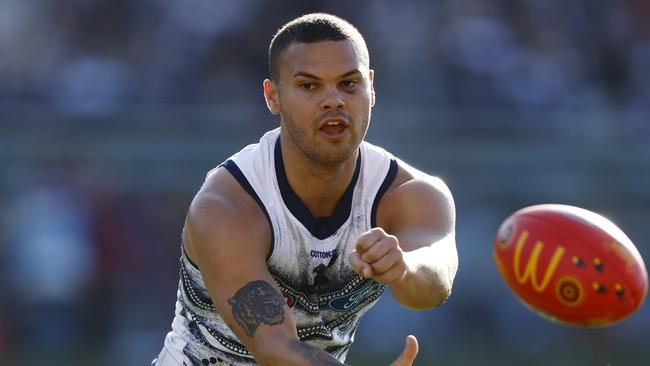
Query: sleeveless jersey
{"points": [[308, 260]]}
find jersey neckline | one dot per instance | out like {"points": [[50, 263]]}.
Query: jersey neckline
{"points": [[319, 227]]}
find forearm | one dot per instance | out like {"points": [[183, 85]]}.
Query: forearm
{"points": [[289, 352], [429, 276]]}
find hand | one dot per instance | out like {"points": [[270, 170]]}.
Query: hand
{"points": [[408, 354], [378, 256]]}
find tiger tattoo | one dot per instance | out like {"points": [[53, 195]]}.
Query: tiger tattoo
{"points": [[257, 303]]}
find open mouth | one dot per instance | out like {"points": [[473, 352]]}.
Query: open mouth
{"points": [[333, 128]]}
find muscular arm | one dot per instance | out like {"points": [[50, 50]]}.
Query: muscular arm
{"points": [[419, 211], [228, 237]]}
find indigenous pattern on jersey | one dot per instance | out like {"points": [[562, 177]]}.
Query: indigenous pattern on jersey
{"points": [[308, 259]]}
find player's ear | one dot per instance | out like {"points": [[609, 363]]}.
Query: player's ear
{"points": [[371, 76], [271, 96]]}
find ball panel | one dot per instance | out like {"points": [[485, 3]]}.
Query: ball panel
{"points": [[604, 237], [593, 228], [569, 265]]}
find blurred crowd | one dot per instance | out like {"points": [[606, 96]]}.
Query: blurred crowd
{"points": [[89, 264], [83, 267], [98, 56]]}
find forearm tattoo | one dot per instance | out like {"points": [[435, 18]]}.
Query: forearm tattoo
{"points": [[256, 303], [315, 356]]}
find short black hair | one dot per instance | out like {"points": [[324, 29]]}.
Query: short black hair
{"points": [[311, 28]]}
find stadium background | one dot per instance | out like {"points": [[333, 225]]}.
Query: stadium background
{"points": [[111, 112]]}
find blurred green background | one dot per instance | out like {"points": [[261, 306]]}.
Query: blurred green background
{"points": [[112, 112]]}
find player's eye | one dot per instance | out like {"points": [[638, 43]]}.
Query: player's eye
{"points": [[308, 86], [349, 83]]}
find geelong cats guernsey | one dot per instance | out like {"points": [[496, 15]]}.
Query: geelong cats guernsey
{"points": [[308, 259]]}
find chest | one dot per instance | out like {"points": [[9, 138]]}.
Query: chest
{"points": [[315, 266]]}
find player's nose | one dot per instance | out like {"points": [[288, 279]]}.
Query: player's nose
{"points": [[332, 99]]}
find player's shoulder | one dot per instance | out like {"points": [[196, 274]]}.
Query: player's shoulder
{"points": [[414, 192], [409, 178], [222, 207], [222, 194], [406, 174]]}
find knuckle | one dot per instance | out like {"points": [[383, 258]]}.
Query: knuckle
{"points": [[376, 268], [362, 243], [368, 257], [375, 233], [382, 266]]}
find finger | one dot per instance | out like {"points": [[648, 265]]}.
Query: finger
{"points": [[388, 262], [359, 266], [379, 250], [392, 275], [409, 353], [411, 348], [367, 239]]}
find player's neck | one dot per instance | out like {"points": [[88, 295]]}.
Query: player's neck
{"points": [[319, 186]]}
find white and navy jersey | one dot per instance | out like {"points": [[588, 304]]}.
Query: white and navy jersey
{"points": [[308, 259]]}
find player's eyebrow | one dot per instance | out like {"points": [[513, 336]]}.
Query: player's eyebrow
{"points": [[351, 72], [312, 76]]}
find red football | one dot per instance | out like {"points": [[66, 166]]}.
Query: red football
{"points": [[570, 265]]}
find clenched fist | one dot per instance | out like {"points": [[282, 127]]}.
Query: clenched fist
{"points": [[378, 256]]}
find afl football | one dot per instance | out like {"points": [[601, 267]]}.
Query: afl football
{"points": [[570, 265]]}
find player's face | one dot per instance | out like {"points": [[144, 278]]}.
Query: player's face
{"points": [[324, 96]]}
